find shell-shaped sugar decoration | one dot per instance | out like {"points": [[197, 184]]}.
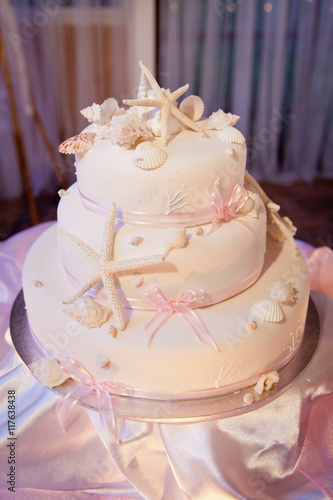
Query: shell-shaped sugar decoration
{"points": [[138, 280], [77, 143], [91, 113], [37, 283], [269, 310], [62, 193], [231, 135], [282, 291], [219, 119], [266, 381], [193, 107], [148, 156], [230, 151], [48, 372], [88, 312], [199, 231], [105, 363], [136, 240], [112, 331], [248, 399], [177, 239], [252, 325]]}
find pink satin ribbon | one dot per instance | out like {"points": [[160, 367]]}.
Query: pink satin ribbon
{"points": [[207, 299], [88, 385], [183, 306], [228, 211], [215, 212]]}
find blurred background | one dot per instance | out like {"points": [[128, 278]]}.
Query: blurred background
{"points": [[271, 62]]}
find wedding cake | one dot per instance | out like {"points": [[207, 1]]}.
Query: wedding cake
{"points": [[169, 271]]}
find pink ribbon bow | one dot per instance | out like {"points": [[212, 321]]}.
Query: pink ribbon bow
{"points": [[166, 308], [227, 211], [87, 385]]}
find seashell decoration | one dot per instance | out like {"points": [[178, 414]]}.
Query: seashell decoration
{"points": [[101, 114], [77, 143], [219, 119], [138, 280], [48, 372], [105, 363], [177, 239], [230, 151], [91, 113], [266, 382], [231, 135], [142, 89], [62, 193], [148, 156], [268, 310], [88, 312], [248, 399], [112, 331], [252, 325], [282, 291], [199, 231], [37, 284], [108, 110], [193, 107], [136, 240]]}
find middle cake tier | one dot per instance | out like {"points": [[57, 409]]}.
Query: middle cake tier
{"points": [[220, 260]]}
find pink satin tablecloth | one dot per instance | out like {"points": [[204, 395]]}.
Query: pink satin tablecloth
{"points": [[283, 450]]}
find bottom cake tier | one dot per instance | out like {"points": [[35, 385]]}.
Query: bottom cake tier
{"points": [[256, 331]]}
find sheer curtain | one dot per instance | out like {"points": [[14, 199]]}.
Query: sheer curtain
{"points": [[269, 62], [64, 55]]}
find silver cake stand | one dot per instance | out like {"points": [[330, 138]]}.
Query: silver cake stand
{"points": [[200, 408]]}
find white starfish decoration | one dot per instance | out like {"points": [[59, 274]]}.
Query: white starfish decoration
{"points": [[167, 102], [105, 267]]}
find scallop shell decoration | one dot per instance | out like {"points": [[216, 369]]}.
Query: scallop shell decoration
{"points": [[282, 291], [88, 312], [268, 310], [192, 107], [77, 143], [177, 239], [148, 156], [231, 135], [48, 372]]}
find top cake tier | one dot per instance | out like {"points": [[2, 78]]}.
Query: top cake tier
{"points": [[179, 191], [158, 160]]}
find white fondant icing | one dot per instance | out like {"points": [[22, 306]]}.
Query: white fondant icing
{"points": [[263, 349]]}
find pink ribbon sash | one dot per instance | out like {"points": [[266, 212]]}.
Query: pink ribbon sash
{"points": [[166, 308], [207, 299], [88, 385], [216, 212]]}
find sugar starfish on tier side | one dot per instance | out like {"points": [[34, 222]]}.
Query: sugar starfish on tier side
{"points": [[105, 266], [166, 101]]}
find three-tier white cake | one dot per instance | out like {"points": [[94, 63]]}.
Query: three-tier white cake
{"points": [[160, 274]]}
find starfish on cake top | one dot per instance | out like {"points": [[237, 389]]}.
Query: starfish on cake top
{"points": [[105, 266], [166, 101]]}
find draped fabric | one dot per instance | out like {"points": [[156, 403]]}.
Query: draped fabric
{"points": [[64, 55], [270, 63]]}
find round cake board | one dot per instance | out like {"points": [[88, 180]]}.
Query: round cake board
{"points": [[200, 408]]}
